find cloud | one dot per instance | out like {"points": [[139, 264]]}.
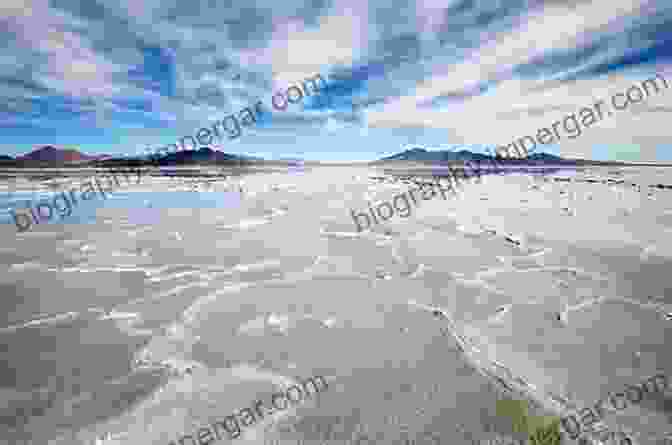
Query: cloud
{"points": [[401, 67], [541, 32], [514, 73], [67, 64]]}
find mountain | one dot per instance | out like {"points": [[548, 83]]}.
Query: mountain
{"points": [[204, 155], [418, 154], [52, 154], [414, 154], [545, 157]]}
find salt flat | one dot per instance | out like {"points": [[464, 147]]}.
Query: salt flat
{"points": [[146, 328]]}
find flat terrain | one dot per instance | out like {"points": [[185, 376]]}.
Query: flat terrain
{"points": [[171, 305]]}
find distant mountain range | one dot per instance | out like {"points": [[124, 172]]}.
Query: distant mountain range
{"points": [[203, 155], [421, 155], [49, 153], [48, 156]]}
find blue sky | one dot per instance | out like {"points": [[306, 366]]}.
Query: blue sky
{"points": [[119, 76]]}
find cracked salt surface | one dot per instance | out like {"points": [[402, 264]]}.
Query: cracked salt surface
{"points": [[186, 320]]}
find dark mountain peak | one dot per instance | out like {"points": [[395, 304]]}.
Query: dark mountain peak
{"points": [[544, 157], [46, 151], [407, 155], [418, 154], [202, 155], [49, 153]]}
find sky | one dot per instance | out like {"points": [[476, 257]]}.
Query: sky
{"points": [[119, 76]]}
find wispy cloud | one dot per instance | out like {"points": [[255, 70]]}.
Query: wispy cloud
{"points": [[131, 70]]}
